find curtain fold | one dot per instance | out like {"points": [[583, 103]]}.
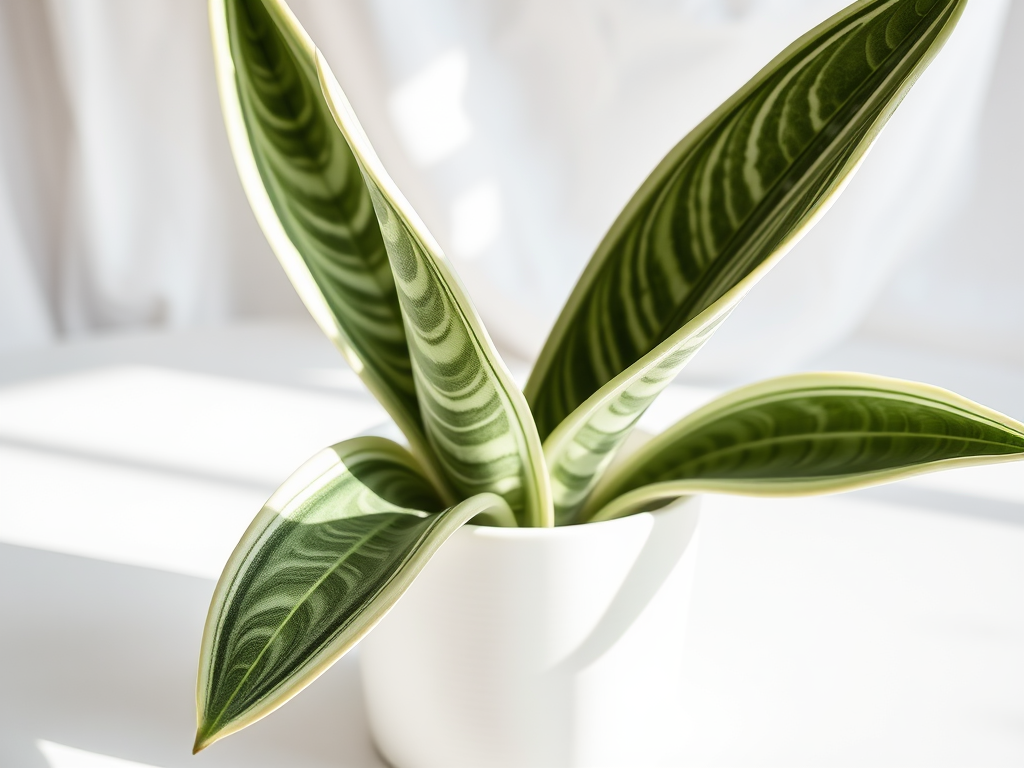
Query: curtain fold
{"points": [[33, 134], [518, 128]]}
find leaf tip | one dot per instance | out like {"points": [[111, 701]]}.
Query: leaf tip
{"points": [[204, 738]]}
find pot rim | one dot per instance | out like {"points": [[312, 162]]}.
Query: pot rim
{"points": [[577, 529]]}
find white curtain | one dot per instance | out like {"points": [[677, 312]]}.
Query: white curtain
{"points": [[32, 139], [518, 128], [119, 204]]}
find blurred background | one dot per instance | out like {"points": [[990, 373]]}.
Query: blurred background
{"points": [[159, 377], [518, 129]]}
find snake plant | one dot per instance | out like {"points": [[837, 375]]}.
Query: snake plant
{"points": [[339, 542]]}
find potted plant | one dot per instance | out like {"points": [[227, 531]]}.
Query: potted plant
{"points": [[545, 632]]}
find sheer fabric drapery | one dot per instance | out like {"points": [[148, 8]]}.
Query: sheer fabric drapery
{"points": [[518, 128]]}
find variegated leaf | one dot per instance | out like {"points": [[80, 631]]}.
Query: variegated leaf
{"points": [[719, 211], [308, 195], [808, 434], [582, 446], [475, 416], [324, 560]]}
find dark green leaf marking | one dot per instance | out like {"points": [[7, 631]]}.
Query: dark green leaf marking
{"points": [[735, 190], [469, 419], [302, 591], [816, 433], [319, 198], [582, 447], [477, 421], [324, 560]]}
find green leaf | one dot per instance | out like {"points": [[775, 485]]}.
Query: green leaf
{"points": [[719, 211], [476, 418], [324, 560], [308, 196], [808, 434], [582, 447]]}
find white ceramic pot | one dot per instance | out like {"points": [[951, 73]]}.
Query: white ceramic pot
{"points": [[528, 648]]}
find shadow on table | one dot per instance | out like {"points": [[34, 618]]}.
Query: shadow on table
{"points": [[102, 658], [907, 495]]}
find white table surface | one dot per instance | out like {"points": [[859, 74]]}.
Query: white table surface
{"points": [[882, 627]]}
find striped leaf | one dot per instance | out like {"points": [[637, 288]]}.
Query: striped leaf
{"points": [[309, 197], [719, 211], [476, 418], [808, 434], [581, 447], [324, 560]]}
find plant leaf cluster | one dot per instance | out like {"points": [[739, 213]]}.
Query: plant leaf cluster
{"points": [[342, 539]]}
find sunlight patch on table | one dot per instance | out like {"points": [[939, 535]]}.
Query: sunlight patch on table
{"points": [[121, 514], [60, 756], [213, 426]]}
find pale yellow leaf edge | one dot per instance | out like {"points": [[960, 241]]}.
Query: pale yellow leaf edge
{"points": [[600, 507], [364, 448], [536, 474]]}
